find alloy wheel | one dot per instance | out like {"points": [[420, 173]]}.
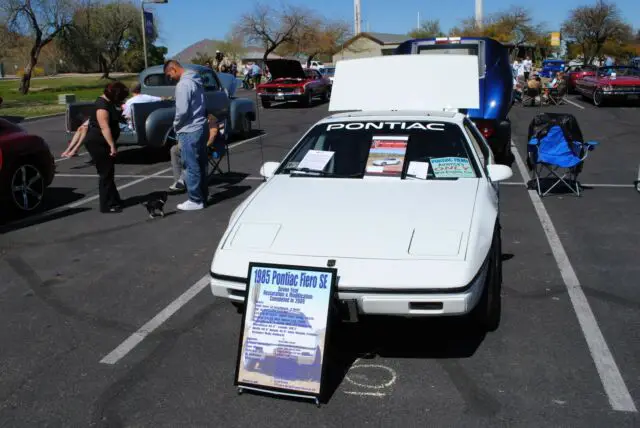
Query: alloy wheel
{"points": [[27, 187]]}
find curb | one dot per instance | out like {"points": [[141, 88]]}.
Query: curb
{"points": [[45, 116]]}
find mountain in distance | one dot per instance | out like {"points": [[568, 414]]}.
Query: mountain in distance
{"points": [[206, 46]]}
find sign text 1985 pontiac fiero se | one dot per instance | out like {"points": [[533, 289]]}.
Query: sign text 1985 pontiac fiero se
{"points": [[420, 237]]}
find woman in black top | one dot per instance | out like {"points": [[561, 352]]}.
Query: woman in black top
{"points": [[104, 130]]}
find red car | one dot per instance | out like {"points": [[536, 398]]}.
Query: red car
{"points": [[609, 83], [576, 72], [27, 168], [289, 82]]}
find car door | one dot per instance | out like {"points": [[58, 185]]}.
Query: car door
{"points": [[216, 97]]}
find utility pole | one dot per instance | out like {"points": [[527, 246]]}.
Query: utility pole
{"points": [[357, 17], [418, 20], [479, 13]]}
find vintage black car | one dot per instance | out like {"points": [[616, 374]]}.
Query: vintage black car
{"points": [[153, 121]]}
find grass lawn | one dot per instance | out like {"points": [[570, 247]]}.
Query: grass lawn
{"points": [[43, 94]]}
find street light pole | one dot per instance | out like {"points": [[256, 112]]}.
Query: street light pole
{"points": [[144, 27], [144, 35]]}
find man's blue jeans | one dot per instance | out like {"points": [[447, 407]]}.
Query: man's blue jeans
{"points": [[194, 157]]}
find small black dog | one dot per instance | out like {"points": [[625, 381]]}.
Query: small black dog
{"points": [[155, 204]]}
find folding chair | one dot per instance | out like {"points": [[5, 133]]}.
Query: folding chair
{"points": [[557, 95], [216, 152], [555, 153], [529, 96]]}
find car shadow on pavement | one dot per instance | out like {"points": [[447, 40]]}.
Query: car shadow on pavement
{"points": [[13, 119], [229, 178], [142, 156], [386, 337], [54, 199], [228, 192]]}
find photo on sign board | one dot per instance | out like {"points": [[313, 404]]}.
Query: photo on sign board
{"points": [[386, 155], [284, 329]]}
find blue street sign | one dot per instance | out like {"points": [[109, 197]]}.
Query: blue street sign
{"points": [[148, 24]]}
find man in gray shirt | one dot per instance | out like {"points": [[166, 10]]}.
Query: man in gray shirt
{"points": [[192, 131]]}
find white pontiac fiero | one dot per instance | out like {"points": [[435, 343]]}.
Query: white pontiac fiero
{"points": [[421, 242]]}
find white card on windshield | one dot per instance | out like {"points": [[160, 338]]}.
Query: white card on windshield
{"points": [[418, 170], [315, 160]]}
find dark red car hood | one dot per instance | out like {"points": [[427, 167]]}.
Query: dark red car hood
{"points": [[285, 68]]}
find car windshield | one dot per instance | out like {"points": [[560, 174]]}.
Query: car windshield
{"points": [[409, 149], [619, 71]]}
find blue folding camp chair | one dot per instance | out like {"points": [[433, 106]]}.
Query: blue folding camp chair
{"points": [[556, 151], [218, 151]]}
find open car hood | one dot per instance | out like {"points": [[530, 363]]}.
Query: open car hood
{"points": [[344, 218], [285, 68]]}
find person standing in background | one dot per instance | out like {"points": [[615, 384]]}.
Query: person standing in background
{"points": [[527, 65], [100, 141], [191, 129], [256, 74]]}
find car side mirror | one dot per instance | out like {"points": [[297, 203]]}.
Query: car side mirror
{"points": [[268, 169], [498, 172]]}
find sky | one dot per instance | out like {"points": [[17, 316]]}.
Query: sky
{"points": [[183, 22]]}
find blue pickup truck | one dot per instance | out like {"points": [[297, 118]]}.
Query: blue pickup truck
{"points": [[494, 77]]}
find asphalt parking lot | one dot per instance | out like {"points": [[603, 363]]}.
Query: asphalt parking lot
{"points": [[108, 320]]}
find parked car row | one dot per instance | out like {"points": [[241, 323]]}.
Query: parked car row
{"points": [[605, 84]]}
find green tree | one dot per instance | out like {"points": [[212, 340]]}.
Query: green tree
{"points": [[427, 29], [202, 58], [593, 27], [102, 34]]}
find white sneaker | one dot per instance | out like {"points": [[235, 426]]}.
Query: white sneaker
{"points": [[190, 206]]}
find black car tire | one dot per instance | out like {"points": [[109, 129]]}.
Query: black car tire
{"points": [[266, 103], [246, 127], [307, 100], [486, 315], [598, 98], [27, 173]]}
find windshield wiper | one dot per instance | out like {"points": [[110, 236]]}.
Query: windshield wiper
{"points": [[306, 171]]}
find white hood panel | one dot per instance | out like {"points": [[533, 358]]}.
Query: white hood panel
{"points": [[354, 218]]}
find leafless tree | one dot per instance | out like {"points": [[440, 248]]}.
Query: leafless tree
{"points": [[593, 26], [42, 20], [318, 36], [270, 27], [7, 40]]}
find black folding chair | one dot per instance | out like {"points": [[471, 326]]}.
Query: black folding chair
{"points": [[557, 95], [529, 96], [217, 152]]}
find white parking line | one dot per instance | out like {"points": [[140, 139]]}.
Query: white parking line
{"points": [[574, 103], [63, 159], [230, 146], [132, 341], [166, 177], [612, 381], [522, 183]]}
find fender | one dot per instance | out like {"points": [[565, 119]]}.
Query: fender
{"points": [[238, 107], [157, 125]]}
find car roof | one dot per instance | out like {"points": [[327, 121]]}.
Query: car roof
{"points": [[159, 69], [445, 116]]}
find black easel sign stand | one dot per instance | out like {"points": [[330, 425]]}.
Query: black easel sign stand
{"points": [[284, 332]]}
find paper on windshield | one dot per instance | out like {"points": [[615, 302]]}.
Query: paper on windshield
{"points": [[452, 167], [418, 170], [386, 155], [315, 160]]}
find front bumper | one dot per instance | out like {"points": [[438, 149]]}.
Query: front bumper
{"points": [[621, 94], [416, 303], [279, 97]]}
